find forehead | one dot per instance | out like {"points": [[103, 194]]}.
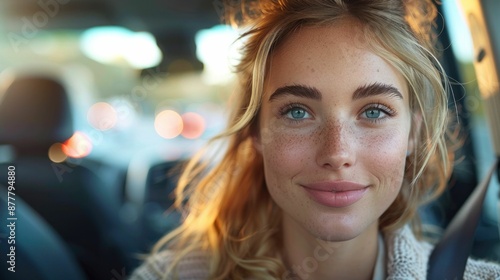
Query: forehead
{"points": [[334, 55]]}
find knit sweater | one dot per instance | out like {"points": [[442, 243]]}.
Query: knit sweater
{"points": [[406, 259]]}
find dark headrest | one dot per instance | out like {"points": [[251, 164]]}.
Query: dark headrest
{"points": [[34, 113]]}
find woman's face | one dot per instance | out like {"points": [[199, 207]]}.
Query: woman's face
{"points": [[334, 130]]}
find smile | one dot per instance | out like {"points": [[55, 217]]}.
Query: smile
{"points": [[336, 194]]}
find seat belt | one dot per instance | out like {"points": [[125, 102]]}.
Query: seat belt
{"points": [[449, 257]]}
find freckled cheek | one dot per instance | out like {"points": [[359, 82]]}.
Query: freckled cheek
{"points": [[285, 153], [384, 155]]}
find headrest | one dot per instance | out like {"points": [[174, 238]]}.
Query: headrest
{"points": [[34, 113]]}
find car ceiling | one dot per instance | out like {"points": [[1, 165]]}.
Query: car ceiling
{"points": [[155, 16], [173, 23]]}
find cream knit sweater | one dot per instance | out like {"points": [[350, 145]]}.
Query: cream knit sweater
{"points": [[406, 259]]}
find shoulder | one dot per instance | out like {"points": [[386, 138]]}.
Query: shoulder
{"points": [[192, 267], [407, 258], [477, 269]]}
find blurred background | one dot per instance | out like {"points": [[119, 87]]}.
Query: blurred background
{"points": [[145, 84], [128, 67]]}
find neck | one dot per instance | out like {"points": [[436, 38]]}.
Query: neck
{"points": [[308, 257]]}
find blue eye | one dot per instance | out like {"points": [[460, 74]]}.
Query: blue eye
{"points": [[373, 113], [297, 113], [377, 112]]}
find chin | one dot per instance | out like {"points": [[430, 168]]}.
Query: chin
{"points": [[339, 234], [336, 232]]}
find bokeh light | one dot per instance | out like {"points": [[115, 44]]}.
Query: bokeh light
{"points": [[102, 116], [112, 44], [56, 153], [194, 125], [78, 146], [219, 50], [168, 124]]}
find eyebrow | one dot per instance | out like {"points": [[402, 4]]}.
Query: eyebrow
{"points": [[313, 93], [376, 89], [297, 90]]}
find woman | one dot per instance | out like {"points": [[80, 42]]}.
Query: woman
{"points": [[336, 138]]}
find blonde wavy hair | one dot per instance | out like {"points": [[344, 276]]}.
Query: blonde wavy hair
{"points": [[229, 213]]}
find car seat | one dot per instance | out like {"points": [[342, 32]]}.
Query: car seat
{"points": [[34, 114], [40, 256]]}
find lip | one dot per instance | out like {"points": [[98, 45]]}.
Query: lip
{"points": [[336, 194]]}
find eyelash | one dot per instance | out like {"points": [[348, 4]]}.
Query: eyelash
{"points": [[387, 110], [390, 112], [288, 107]]}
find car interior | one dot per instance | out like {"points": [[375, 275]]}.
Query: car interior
{"points": [[102, 102]]}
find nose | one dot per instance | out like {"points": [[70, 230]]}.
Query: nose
{"points": [[337, 146]]}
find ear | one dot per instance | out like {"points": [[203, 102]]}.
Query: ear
{"points": [[416, 126]]}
